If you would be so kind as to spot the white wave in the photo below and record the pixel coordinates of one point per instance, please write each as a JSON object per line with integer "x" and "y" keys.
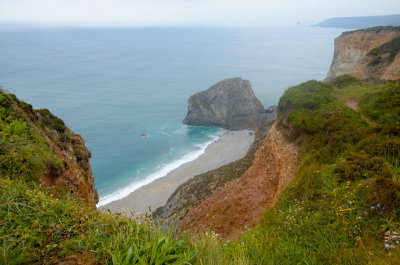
{"x": 123, "y": 192}
{"x": 181, "y": 130}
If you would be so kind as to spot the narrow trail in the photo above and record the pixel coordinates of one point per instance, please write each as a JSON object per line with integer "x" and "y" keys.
{"x": 353, "y": 103}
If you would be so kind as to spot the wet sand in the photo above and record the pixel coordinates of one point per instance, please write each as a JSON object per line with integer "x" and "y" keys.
{"x": 232, "y": 146}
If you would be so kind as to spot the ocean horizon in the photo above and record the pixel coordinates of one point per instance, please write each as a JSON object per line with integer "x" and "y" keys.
{"x": 114, "y": 85}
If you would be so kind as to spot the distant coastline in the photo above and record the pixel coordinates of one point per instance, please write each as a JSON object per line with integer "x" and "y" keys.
{"x": 360, "y": 22}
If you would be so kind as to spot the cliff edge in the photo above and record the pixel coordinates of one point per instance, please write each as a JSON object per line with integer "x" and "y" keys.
{"x": 373, "y": 52}
{"x": 240, "y": 202}
{"x": 38, "y": 146}
{"x": 230, "y": 104}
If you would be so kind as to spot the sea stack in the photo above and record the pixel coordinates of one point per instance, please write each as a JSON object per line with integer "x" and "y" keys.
{"x": 229, "y": 104}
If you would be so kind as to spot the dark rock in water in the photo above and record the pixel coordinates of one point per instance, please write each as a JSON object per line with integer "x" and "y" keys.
{"x": 271, "y": 109}
{"x": 230, "y": 104}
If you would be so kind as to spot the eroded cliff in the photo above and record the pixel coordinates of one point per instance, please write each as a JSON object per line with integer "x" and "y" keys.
{"x": 197, "y": 189}
{"x": 367, "y": 53}
{"x": 239, "y": 203}
{"x": 36, "y": 145}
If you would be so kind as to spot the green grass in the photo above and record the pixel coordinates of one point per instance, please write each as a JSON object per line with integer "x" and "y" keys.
{"x": 347, "y": 192}
{"x": 24, "y": 153}
{"x": 345, "y": 198}
{"x": 390, "y": 49}
{"x": 46, "y": 226}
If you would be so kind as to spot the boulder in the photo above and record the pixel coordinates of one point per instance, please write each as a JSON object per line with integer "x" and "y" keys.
{"x": 229, "y": 104}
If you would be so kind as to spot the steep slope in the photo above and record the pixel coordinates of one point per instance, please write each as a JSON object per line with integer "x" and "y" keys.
{"x": 240, "y": 202}
{"x": 373, "y": 52}
{"x": 37, "y": 145}
{"x": 197, "y": 189}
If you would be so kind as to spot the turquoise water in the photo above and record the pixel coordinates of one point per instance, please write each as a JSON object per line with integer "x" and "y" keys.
{"x": 111, "y": 85}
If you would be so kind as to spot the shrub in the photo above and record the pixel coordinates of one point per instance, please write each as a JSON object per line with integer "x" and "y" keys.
{"x": 383, "y": 146}
{"x": 361, "y": 165}
{"x": 51, "y": 121}
{"x": 345, "y": 80}
{"x": 383, "y": 106}
{"x": 386, "y": 192}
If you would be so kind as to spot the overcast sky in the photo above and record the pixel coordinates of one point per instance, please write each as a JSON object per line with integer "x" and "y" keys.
{"x": 190, "y": 12}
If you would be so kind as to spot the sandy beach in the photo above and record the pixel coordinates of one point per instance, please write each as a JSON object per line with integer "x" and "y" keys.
{"x": 232, "y": 146}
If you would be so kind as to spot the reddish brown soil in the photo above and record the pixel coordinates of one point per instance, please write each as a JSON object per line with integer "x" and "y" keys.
{"x": 78, "y": 177}
{"x": 240, "y": 203}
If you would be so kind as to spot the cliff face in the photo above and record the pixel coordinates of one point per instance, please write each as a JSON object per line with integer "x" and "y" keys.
{"x": 240, "y": 202}
{"x": 69, "y": 147}
{"x": 230, "y": 104}
{"x": 197, "y": 189}
{"x": 367, "y": 53}
{"x": 36, "y": 145}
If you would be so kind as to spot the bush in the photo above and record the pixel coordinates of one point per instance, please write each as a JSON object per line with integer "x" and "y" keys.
{"x": 383, "y": 146}
{"x": 383, "y": 106}
{"x": 345, "y": 80}
{"x": 386, "y": 192}
{"x": 362, "y": 165}
{"x": 49, "y": 120}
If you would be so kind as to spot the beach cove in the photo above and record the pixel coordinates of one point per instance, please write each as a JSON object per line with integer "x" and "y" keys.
{"x": 231, "y": 146}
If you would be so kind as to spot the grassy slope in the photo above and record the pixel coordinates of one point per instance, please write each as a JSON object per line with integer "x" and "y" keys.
{"x": 345, "y": 198}
{"x": 43, "y": 226}
{"x": 347, "y": 193}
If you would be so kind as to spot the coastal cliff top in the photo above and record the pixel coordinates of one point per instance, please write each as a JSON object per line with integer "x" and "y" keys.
{"x": 37, "y": 146}
{"x": 368, "y": 53}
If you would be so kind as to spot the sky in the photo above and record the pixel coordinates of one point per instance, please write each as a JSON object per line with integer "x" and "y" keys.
{"x": 189, "y": 12}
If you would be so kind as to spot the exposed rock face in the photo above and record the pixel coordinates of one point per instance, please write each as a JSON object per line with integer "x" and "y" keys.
{"x": 367, "y": 53}
{"x": 60, "y": 156}
{"x": 230, "y": 104}
{"x": 76, "y": 174}
{"x": 241, "y": 201}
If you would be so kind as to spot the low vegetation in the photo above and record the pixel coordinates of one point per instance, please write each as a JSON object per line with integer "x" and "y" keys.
{"x": 24, "y": 152}
{"x": 343, "y": 208}
{"x": 386, "y": 51}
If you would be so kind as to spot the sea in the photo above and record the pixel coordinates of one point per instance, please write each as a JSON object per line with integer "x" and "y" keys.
{"x": 125, "y": 90}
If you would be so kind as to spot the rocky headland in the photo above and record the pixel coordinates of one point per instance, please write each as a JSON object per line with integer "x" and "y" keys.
{"x": 229, "y": 104}
{"x": 368, "y": 53}
{"x": 360, "y": 22}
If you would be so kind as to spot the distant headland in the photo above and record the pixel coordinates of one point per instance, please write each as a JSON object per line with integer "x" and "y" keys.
{"x": 360, "y": 22}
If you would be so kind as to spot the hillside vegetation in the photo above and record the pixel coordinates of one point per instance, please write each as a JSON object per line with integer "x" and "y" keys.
{"x": 343, "y": 208}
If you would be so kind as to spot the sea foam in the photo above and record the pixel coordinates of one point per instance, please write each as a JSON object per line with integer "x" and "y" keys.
{"x": 123, "y": 192}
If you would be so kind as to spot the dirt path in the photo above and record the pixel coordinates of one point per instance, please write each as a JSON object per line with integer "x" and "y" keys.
{"x": 353, "y": 103}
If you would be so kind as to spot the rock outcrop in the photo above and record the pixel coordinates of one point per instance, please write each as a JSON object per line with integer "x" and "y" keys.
{"x": 76, "y": 174}
{"x": 367, "y": 53}
{"x": 230, "y": 104}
